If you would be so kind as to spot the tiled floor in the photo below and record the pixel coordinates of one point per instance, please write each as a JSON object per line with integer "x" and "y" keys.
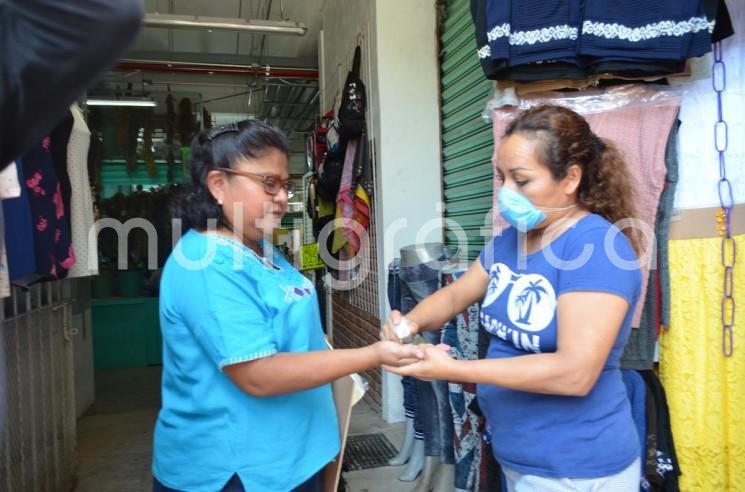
{"x": 115, "y": 437}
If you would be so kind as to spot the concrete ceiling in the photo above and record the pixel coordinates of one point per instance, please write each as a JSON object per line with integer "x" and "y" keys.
{"x": 204, "y": 46}
{"x": 288, "y": 103}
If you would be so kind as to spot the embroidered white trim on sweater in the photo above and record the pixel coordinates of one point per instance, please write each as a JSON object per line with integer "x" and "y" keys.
{"x": 484, "y": 51}
{"x": 650, "y": 31}
{"x": 543, "y": 35}
{"x": 600, "y": 29}
{"x": 498, "y": 32}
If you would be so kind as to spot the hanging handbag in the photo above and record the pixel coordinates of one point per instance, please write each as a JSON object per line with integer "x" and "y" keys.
{"x": 353, "y": 102}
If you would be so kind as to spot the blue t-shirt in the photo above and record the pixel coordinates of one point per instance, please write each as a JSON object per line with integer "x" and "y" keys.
{"x": 232, "y": 307}
{"x": 551, "y": 435}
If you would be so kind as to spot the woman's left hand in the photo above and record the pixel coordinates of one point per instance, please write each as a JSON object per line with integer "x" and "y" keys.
{"x": 436, "y": 364}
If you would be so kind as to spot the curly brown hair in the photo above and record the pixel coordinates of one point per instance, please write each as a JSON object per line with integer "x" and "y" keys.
{"x": 565, "y": 139}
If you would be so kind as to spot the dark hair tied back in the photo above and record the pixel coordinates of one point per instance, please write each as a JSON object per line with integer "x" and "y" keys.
{"x": 600, "y": 144}
{"x": 215, "y": 148}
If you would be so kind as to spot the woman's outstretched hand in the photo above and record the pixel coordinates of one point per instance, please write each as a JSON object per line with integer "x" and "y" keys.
{"x": 435, "y": 364}
{"x": 397, "y": 320}
{"x": 395, "y": 354}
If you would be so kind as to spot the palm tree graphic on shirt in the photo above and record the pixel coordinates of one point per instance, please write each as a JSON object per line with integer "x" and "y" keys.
{"x": 531, "y": 294}
{"x": 531, "y": 300}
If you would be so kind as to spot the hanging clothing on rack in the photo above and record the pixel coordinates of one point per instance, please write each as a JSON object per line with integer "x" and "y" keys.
{"x": 705, "y": 390}
{"x": 363, "y": 187}
{"x": 9, "y": 188}
{"x": 658, "y": 30}
{"x": 664, "y": 218}
{"x": 4, "y": 271}
{"x": 18, "y": 234}
{"x": 9, "y": 185}
{"x": 52, "y": 246}
{"x": 462, "y": 334}
{"x": 520, "y": 33}
{"x": 81, "y": 203}
{"x": 344, "y": 203}
{"x": 641, "y": 134}
{"x": 59, "y": 138}
{"x": 640, "y": 347}
{"x": 572, "y": 39}
{"x": 699, "y": 166}
{"x": 667, "y": 470}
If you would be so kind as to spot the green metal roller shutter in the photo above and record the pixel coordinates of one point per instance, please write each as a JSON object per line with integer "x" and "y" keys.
{"x": 467, "y": 141}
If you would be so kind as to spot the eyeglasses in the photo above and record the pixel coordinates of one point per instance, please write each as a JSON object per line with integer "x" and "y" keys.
{"x": 272, "y": 184}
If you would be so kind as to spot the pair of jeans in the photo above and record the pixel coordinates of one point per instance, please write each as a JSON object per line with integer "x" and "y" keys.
{"x": 313, "y": 484}
{"x": 411, "y": 401}
{"x": 418, "y": 282}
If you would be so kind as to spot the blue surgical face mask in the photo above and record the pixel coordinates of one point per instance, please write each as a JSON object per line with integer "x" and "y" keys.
{"x": 520, "y": 212}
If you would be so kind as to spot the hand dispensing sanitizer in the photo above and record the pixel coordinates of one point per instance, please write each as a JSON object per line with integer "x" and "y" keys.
{"x": 402, "y": 329}
{"x": 403, "y": 332}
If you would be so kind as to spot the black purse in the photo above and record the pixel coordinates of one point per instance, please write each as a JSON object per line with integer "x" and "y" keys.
{"x": 353, "y": 102}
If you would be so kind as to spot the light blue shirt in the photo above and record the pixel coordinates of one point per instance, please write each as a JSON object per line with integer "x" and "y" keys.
{"x": 228, "y": 308}
{"x": 551, "y": 435}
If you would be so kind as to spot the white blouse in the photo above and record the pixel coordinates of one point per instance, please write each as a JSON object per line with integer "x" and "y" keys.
{"x": 81, "y": 201}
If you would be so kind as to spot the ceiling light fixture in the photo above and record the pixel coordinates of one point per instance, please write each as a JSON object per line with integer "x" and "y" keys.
{"x": 142, "y": 103}
{"x": 223, "y": 24}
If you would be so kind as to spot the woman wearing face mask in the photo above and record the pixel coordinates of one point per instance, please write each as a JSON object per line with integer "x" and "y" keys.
{"x": 557, "y": 292}
{"x": 246, "y": 402}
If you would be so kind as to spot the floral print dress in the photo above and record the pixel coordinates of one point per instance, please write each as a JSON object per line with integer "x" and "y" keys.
{"x": 51, "y": 228}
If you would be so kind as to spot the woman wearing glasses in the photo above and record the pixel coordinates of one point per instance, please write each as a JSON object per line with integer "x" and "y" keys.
{"x": 247, "y": 403}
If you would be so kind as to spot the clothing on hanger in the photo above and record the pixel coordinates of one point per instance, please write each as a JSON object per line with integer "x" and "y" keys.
{"x": 81, "y": 203}
{"x": 9, "y": 185}
{"x": 572, "y": 39}
{"x": 51, "y": 229}
{"x": 18, "y": 234}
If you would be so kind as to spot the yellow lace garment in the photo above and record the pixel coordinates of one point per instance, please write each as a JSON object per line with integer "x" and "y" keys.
{"x": 705, "y": 390}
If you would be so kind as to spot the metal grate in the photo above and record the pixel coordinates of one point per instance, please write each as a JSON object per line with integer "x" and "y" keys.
{"x": 365, "y": 296}
{"x": 367, "y": 451}
{"x": 39, "y": 448}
